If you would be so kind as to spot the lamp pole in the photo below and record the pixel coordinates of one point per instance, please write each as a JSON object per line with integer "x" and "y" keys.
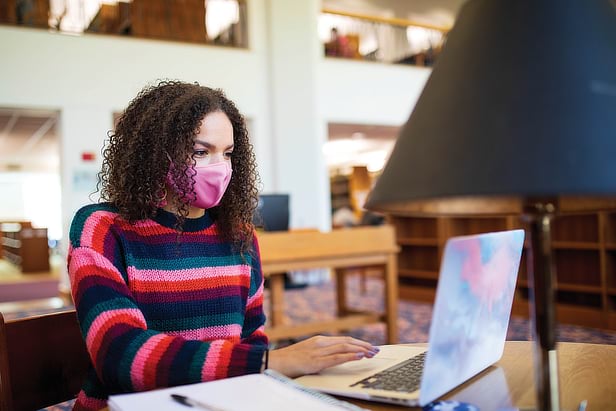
{"x": 539, "y": 215}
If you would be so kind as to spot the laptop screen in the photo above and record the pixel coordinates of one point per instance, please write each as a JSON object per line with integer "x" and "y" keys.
{"x": 472, "y": 308}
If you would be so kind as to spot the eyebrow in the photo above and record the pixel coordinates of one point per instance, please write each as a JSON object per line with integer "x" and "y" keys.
{"x": 211, "y": 146}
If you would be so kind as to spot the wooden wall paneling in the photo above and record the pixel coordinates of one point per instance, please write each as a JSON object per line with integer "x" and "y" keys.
{"x": 8, "y": 14}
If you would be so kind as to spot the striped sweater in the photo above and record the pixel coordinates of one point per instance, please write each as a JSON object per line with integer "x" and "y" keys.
{"x": 157, "y": 309}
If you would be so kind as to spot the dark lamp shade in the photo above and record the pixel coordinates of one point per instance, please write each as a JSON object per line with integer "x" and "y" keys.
{"x": 520, "y": 104}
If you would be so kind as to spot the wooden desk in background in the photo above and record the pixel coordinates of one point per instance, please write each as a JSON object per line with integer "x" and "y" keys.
{"x": 339, "y": 249}
{"x": 587, "y": 372}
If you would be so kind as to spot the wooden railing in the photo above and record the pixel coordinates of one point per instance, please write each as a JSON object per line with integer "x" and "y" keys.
{"x": 373, "y": 38}
{"x": 392, "y": 21}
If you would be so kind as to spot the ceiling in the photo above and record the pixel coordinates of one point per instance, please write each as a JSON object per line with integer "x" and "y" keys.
{"x": 28, "y": 140}
{"x": 337, "y": 131}
{"x": 351, "y": 145}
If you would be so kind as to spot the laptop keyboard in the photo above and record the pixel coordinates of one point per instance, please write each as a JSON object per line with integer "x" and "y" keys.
{"x": 402, "y": 377}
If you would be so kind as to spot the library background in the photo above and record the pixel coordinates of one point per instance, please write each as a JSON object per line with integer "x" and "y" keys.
{"x": 69, "y": 67}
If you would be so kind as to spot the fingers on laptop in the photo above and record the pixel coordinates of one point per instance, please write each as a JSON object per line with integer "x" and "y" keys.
{"x": 346, "y": 345}
{"x": 317, "y": 353}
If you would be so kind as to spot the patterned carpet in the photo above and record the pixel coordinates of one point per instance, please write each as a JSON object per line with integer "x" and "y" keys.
{"x": 318, "y": 302}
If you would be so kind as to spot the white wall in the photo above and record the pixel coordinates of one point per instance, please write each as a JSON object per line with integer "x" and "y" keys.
{"x": 12, "y": 206}
{"x": 32, "y": 196}
{"x": 368, "y": 93}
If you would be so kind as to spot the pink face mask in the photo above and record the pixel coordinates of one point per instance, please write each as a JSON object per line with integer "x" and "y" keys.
{"x": 211, "y": 182}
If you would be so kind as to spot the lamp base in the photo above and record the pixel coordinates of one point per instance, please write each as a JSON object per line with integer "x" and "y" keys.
{"x": 541, "y": 272}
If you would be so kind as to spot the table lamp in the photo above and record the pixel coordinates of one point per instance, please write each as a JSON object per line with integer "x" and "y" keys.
{"x": 518, "y": 116}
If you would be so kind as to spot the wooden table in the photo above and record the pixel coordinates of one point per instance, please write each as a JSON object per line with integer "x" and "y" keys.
{"x": 339, "y": 249}
{"x": 587, "y": 372}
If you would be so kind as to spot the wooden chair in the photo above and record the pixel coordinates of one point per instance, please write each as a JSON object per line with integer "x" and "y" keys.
{"x": 43, "y": 360}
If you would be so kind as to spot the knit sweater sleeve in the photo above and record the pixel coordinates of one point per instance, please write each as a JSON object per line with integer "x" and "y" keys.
{"x": 126, "y": 354}
{"x": 254, "y": 322}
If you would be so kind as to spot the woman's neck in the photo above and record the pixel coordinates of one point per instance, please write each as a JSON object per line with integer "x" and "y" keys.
{"x": 193, "y": 212}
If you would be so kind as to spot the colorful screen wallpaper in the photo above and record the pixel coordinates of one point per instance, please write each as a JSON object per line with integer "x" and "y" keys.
{"x": 472, "y": 308}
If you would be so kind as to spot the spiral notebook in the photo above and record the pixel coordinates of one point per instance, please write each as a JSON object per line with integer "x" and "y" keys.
{"x": 270, "y": 391}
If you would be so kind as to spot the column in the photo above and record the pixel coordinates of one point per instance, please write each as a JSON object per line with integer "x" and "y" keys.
{"x": 294, "y": 52}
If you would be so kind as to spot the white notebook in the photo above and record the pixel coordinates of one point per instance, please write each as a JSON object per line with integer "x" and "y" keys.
{"x": 258, "y": 392}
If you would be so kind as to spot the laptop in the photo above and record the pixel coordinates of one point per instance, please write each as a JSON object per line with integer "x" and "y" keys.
{"x": 469, "y": 324}
{"x": 272, "y": 212}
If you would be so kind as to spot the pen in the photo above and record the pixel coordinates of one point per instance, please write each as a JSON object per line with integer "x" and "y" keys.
{"x": 191, "y": 402}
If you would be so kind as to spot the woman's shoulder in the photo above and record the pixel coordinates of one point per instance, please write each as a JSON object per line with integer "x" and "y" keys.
{"x": 99, "y": 210}
{"x": 98, "y": 215}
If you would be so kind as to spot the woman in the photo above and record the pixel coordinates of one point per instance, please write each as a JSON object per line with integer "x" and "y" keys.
{"x": 165, "y": 274}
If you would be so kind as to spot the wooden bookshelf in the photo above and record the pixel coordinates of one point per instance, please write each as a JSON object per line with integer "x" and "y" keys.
{"x": 34, "y": 14}
{"x": 25, "y": 246}
{"x": 584, "y": 251}
{"x": 351, "y": 190}
{"x": 340, "y": 191}
{"x": 8, "y": 14}
{"x": 182, "y": 20}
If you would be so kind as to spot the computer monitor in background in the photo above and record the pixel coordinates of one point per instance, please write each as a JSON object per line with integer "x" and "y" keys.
{"x": 272, "y": 212}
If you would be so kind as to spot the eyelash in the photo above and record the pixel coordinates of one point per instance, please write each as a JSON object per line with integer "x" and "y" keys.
{"x": 201, "y": 153}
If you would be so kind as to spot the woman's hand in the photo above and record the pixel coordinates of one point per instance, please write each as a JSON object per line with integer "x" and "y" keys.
{"x": 316, "y": 353}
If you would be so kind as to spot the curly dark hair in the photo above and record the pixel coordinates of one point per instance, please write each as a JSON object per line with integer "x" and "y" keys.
{"x": 158, "y": 128}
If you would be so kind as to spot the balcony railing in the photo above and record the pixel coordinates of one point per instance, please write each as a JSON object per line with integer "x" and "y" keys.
{"x": 388, "y": 40}
{"x": 221, "y": 22}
